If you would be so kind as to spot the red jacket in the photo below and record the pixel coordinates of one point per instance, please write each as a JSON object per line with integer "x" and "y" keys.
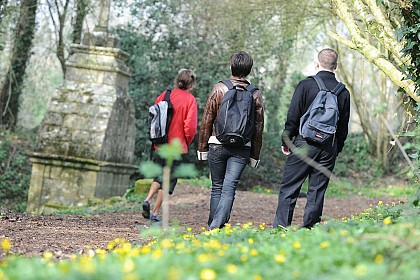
{"x": 184, "y": 119}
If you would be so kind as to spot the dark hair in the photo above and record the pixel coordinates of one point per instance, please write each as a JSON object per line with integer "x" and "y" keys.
{"x": 328, "y": 59}
{"x": 241, "y": 64}
{"x": 185, "y": 79}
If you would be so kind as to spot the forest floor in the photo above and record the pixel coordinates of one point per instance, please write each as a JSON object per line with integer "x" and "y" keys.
{"x": 64, "y": 235}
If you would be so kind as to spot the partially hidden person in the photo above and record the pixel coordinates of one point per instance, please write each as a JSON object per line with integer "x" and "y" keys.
{"x": 183, "y": 127}
{"x": 319, "y": 148}
{"x": 227, "y": 162}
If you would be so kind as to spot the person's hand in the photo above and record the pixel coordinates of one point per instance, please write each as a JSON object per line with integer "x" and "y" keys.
{"x": 285, "y": 150}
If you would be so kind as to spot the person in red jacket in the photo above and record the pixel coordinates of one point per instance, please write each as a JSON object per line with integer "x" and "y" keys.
{"x": 183, "y": 127}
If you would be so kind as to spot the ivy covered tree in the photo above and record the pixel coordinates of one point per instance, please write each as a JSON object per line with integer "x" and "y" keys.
{"x": 11, "y": 88}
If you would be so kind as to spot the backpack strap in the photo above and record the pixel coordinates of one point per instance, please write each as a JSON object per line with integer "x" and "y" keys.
{"x": 338, "y": 88}
{"x": 319, "y": 82}
{"x": 168, "y": 95}
{"x": 228, "y": 83}
{"x": 251, "y": 88}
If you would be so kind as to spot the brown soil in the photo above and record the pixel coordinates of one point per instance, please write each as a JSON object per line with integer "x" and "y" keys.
{"x": 64, "y": 235}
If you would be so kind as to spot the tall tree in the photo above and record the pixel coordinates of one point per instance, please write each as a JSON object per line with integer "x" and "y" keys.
{"x": 12, "y": 86}
{"x": 368, "y": 15}
{"x": 58, "y": 12}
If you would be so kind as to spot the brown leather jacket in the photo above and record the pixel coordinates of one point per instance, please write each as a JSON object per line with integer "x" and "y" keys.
{"x": 211, "y": 112}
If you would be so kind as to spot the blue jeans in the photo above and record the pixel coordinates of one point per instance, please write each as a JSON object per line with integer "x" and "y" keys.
{"x": 226, "y": 166}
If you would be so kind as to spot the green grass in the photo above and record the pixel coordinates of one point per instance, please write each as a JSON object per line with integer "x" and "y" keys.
{"x": 203, "y": 182}
{"x": 381, "y": 243}
{"x": 344, "y": 188}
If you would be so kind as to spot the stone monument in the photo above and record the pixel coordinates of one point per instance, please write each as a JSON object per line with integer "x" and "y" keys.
{"x": 85, "y": 145}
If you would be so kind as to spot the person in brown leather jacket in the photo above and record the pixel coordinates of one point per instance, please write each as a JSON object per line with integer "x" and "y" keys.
{"x": 227, "y": 163}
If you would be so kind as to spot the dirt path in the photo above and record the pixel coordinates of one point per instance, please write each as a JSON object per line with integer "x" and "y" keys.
{"x": 65, "y": 235}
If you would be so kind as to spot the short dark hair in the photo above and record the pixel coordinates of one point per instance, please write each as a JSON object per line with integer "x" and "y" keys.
{"x": 241, "y": 64}
{"x": 185, "y": 79}
{"x": 328, "y": 59}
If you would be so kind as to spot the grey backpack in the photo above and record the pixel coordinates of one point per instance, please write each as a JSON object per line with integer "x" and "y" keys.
{"x": 319, "y": 123}
{"x": 160, "y": 116}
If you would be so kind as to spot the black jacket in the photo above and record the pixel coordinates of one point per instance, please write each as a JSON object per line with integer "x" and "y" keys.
{"x": 303, "y": 96}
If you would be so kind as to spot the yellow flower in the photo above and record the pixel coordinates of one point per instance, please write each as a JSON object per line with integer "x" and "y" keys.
{"x": 128, "y": 266}
{"x": 166, "y": 243}
{"x": 47, "y": 256}
{"x": 110, "y": 245}
{"x": 145, "y": 250}
{"x": 281, "y": 258}
{"x": 189, "y": 229}
{"x": 379, "y": 259}
{"x": 380, "y": 202}
{"x": 231, "y": 268}
{"x": 157, "y": 254}
{"x": 86, "y": 265}
{"x": 350, "y": 240}
{"x": 262, "y": 226}
{"x": 253, "y": 252}
{"x": 387, "y": 221}
{"x": 258, "y": 277}
{"x": 283, "y": 235}
{"x": 244, "y": 258}
{"x": 202, "y": 258}
{"x": 6, "y": 245}
{"x": 174, "y": 273}
{"x": 344, "y": 232}
{"x": 296, "y": 245}
{"x": 251, "y": 241}
{"x": 324, "y": 245}
{"x": 360, "y": 270}
{"x": 207, "y": 274}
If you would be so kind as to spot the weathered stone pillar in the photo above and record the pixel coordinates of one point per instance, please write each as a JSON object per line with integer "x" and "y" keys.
{"x": 85, "y": 144}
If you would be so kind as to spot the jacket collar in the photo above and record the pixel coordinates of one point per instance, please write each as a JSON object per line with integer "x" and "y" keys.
{"x": 239, "y": 80}
{"x": 326, "y": 73}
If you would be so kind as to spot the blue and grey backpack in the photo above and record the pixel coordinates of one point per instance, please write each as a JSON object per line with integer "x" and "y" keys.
{"x": 319, "y": 123}
{"x": 236, "y": 120}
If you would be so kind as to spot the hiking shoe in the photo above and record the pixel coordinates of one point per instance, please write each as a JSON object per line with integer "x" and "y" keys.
{"x": 154, "y": 218}
{"x": 146, "y": 209}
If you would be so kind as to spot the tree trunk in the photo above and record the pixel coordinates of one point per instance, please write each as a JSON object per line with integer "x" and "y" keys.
{"x": 12, "y": 87}
{"x": 81, "y": 12}
{"x": 3, "y": 4}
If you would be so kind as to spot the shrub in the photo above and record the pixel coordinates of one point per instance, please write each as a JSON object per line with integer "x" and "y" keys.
{"x": 15, "y": 170}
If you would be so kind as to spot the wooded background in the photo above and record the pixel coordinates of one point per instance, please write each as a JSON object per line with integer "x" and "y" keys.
{"x": 377, "y": 42}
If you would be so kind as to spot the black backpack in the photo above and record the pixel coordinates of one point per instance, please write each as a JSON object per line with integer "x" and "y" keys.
{"x": 236, "y": 120}
{"x": 319, "y": 123}
{"x": 160, "y": 116}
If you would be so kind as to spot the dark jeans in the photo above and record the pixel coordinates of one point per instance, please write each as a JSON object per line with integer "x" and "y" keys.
{"x": 226, "y": 165}
{"x": 295, "y": 173}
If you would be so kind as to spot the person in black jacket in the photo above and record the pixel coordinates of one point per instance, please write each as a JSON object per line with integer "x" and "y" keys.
{"x": 296, "y": 169}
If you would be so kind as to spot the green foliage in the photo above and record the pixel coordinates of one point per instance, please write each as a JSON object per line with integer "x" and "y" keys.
{"x": 410, "y": 31}
{"x": 131, "y": 202}
{"x": 169, "y": 152}
{"x": 356, "y": 160}
{"x": 202, "y": 182}
{"x": 380, "y": 243}
{"x": 15, "y": 170}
